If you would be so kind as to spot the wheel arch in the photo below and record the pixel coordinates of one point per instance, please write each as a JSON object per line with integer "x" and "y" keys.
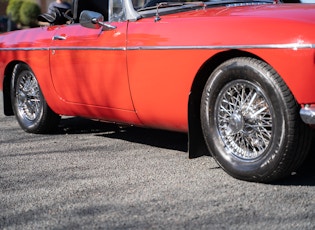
{"x": 196, "y": 144}
{"x": 8, "y": 74}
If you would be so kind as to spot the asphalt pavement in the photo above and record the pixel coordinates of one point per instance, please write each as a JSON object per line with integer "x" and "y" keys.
{"x": 92, "y": 175}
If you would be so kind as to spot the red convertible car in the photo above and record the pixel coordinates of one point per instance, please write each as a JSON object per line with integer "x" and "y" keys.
{"x": 237, "y": 76}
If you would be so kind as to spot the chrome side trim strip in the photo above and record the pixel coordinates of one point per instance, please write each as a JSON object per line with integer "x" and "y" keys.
{"x": 62, "y": 48}
{"x": 270, "y": 46}
{"x": 24, "y": 49}
{"x": 293, "y": 46}
{"x": 89, "y": 48}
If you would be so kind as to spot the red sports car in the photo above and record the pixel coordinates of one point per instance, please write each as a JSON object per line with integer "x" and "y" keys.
{"x": 237, "y": 76}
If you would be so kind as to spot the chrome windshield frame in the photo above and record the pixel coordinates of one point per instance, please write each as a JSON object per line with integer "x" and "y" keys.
{"x": 126, "y": 11}
{"x": 131, "y": 13}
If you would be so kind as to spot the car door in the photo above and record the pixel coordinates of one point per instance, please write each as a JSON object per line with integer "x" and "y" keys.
{"x": 88, "y": 66}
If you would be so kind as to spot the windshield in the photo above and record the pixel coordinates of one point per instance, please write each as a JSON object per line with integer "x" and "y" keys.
{"x": 141, "y": 4}
{"x": 121, "y": 10}
{"x": 149, "y": 3}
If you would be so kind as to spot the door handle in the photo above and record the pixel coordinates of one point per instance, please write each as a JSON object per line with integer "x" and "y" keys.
{"x": 59, "y": 37}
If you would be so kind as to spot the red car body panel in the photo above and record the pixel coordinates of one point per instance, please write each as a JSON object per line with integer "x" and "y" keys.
{"x": 142, "y": 72}
{"x": 178, "y": 66}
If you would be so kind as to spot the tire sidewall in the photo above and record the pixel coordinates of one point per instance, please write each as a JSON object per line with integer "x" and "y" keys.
{"x": 241, "y": 70}
{"x": 26, "y": 124}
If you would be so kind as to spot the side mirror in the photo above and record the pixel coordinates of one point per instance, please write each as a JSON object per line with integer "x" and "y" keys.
{"x": 94, "y": 20}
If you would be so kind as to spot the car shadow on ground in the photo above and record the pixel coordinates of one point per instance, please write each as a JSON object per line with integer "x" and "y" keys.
{"x": 152, "y": 137}
{"x": 305, "y": 176}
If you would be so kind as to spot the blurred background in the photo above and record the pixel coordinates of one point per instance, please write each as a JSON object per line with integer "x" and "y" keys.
{"x": 18, "y": 14}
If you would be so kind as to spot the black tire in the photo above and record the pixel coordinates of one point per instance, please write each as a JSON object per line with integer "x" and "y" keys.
{"x": 251, "y": 123}
{"x": 28, "y": 102}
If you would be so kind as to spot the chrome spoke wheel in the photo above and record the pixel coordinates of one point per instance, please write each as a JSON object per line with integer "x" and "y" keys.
{"x": 250, "y": 121}
{"x": 29, "y": 104}
{"x": 244, "y": 120}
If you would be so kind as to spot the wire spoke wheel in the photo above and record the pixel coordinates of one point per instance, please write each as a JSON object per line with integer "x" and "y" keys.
{"x": 28, "y": 96}
{"x": 244, "y": 119}
{"x": 29, "y": 104}
{"x": 250, "y": 121}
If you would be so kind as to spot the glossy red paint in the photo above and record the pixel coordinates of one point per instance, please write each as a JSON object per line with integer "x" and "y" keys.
{"x": 142, "y": 72}
{"x": 161, "y": 80}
